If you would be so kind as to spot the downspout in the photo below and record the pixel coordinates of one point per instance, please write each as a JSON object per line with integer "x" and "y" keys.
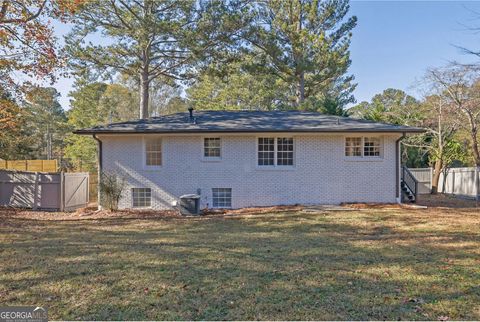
{"x": 99, "y": 174}
{"x": 398, "y": 167}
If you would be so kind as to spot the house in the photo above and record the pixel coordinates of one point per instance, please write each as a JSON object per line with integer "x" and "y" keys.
{"x": 236, "y": 159}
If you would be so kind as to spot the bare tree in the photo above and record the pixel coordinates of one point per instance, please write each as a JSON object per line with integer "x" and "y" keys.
{"x": 439, "y": 139}
{"x": 460, "y": 85}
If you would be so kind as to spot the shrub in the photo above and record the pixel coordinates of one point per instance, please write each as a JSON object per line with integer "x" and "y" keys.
{"x": 111, "y": 189}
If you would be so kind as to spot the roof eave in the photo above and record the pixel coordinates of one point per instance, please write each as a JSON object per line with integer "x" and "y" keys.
{"x": 92, "y": 132}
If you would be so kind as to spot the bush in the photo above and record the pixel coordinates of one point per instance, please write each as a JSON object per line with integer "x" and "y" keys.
{"x": 111, "y": 189}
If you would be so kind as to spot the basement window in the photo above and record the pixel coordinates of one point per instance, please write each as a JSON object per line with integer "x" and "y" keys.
{"x": 142, "y": 197}
{"x": 222, "y": 197}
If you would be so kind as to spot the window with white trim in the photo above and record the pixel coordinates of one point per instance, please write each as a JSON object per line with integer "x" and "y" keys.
{"x": 363, "y": 147}
{"x": 221, "y": 197}
{"x": 141, "y": 197}
{"x": 353, "y": 147}
{"x": 275, "y": 151}
{"x": 153, "y": 152}
{"x": 211, "y": 147}
{"x": 266, "y": 151}
{"x": 371, "y": 146}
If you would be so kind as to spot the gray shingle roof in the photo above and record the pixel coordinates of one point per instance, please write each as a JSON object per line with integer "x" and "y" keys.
{"x": 247, "y": 121}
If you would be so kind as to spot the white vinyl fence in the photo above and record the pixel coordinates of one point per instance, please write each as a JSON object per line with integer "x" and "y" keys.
{"x": 44, "y": 190}
{"x": 424, "y": 178}
{"x": 457, "y": 181}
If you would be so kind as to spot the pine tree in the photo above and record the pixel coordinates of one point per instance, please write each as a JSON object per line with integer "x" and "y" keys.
{"x": 306, "y": 45}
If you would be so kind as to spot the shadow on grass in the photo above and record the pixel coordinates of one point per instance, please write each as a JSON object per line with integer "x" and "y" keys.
{"x": 289, "y": 266}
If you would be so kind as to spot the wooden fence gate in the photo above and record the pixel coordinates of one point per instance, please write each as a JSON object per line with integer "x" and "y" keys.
{"x": 45, "y": 191}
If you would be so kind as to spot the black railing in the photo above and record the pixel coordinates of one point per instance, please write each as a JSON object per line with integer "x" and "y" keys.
{"x": 410, "y": 181}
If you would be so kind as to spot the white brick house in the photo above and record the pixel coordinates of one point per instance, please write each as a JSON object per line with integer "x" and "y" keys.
{"x": 242, "y": 159}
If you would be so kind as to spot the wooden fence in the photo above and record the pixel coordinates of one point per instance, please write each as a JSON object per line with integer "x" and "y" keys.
{"x": 457, "y": 181}
{"x": 46, "y": 191}
{"x": 30, "y": 165}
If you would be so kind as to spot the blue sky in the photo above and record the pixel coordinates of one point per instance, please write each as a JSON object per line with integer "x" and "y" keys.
{"x": 394, "y": 42}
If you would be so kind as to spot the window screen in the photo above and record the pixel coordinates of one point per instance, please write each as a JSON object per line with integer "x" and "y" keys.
{"x": 222, "y": 197}
{"x": 285, "y": 151}
{"x": 153, "y": 151}
{"x": 353, "y": 147}
{"x": 266, "y": 151}
{"x": 211, "y": 147}
{"x": 371, "y": 147}
{"x": 142, "y": 197}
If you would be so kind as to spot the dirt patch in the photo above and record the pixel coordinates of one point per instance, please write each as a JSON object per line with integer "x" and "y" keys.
{"x": 91, "y": 212}
{"x": 374, "y": 205}
{"x": 446, "y": 201}
{"x": 85, "y": 213}
{"x": 428, "y": 200}
{"x": 431, "y": 201}
{"x": 251, "y": 210}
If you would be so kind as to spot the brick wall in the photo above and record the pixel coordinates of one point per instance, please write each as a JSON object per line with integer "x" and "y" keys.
{"x": 321, "y": 175}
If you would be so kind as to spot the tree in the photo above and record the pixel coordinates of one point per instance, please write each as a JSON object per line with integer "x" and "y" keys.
{"x": 150, "y": 39}
{"x": 460, "y": 85}
{"x": 14, "y": 142}
{"x": 115, "y": 104}
{"x": 306, "y": 43}
{"x": 84, "y": 106}
{"x": 438, "y": 146}
{"x": 439, "y": 140}
{"x": 94, "y": 104}
{"x": 166, "y": 99}
{"x": 27, "y": 42}
{"x": 391, "y": 106}
{"x": 238, "y": 86}
{"x": 46, "y": 121}
{"x": 165, "y": 95}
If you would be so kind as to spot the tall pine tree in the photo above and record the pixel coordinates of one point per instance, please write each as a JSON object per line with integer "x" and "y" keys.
{"x": 149, "y": 39}
{"x": 306, "y": 44}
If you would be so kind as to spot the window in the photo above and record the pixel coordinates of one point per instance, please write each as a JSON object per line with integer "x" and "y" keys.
{"x": 266, "y": 151}
{"x": 211, "y": 148}
{"x": 153, "y": 152}
{"x": 275, "y": 151}
{"x": 142, "y": 197}
{"x": 362, "y": 147}
{"x": 371, "y": 147}
{"x": 284, "y": 151}
{"x": 221, "y": 197}
{"x": 353, "y": 147}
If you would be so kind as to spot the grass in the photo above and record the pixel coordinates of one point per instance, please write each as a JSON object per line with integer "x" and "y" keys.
{"x": 358, "y": 265}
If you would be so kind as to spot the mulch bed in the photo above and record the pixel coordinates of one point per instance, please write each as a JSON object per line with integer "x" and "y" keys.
{"x": 94, "y": 214}
{"x": 91, "y": 212}
{"x": 85, "y": 213}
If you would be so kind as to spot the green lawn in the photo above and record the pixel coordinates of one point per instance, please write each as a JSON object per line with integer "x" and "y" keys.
{"x": 371, "y": 264}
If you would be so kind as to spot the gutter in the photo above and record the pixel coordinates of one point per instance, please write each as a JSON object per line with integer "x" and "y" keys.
{"x": 100, "y": 163}
{"x": 202, "y": 131}
{"x": 398, "y": 164}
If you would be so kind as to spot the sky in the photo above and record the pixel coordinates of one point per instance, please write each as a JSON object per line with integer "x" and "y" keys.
{"x": 393, "y": 44}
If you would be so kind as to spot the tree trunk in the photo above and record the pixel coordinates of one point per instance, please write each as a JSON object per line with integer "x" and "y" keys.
{"x": 299, "y": 61}
{"x": 436, "y": 176}
{"x": 301, "y": 88}
{"x": 476, "y": 151}
{"x": 144, "y": 94}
